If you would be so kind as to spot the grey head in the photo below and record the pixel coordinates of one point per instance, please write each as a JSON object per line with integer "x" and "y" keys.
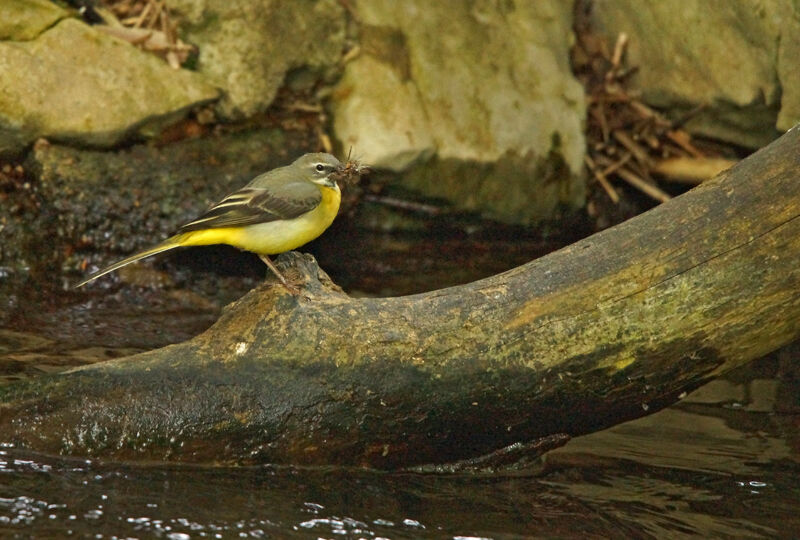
{"x": 317, "y": 168}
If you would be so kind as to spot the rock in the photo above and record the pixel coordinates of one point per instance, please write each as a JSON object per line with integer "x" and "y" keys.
{"x": 382, "y": 116}
{"x": 488, "y": 91}
{"x": 248, "y": 46}
{"x": 738, "y": 59}
{"x": 77, "y": 85}
{"x": 21, "y": 20}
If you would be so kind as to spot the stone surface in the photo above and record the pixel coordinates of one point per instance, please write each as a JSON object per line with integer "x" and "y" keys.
{"x": 737, "y": 58}
{"x": 21, "y": 20}
{"x": 248, "y": 46}
{"x": 475, "y": 86}
{"x": 381, "y": 115}
{"x": 81, "y": 86}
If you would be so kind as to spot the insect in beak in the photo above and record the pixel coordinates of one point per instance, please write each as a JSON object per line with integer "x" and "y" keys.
{"x": 350, "y": 171}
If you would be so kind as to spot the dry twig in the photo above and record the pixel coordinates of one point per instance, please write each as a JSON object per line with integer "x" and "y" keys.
{"x": 146, "y": 24}
{"x": 626, "y": 139}
{"x": 691, "y": 170}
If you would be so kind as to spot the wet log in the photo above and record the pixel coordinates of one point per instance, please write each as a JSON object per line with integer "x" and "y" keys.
{"x": 608, "y": 329}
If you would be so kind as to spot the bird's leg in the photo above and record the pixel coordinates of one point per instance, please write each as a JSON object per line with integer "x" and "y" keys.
{"x": 289, "y": 287}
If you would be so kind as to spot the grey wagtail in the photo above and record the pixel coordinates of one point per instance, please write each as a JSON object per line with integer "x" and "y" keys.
{"x": 277, "y": 211}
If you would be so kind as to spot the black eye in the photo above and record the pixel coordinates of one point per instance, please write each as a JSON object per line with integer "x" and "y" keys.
{"x": 320, "y": 167}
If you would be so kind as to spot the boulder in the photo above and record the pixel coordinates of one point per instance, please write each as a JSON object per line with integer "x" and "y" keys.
{"x": 75, "y": 84}
{"x": 248, "y": 46}
{"x": 488, "y": 92}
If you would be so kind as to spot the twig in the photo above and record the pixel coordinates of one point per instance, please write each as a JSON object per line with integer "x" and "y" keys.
{"x": 647, "y": 112}
{"x": 611, "y": 168}
{"x": 681, "y": 138}
{"x": 159, "y": 7}
{"x": 600, "y": 115}
{"x": 602, "y": 180}
{"x": 651, "y": 140}
{"x": 632, "y": 146}
{"x": 619, "y": 50}
{"x": 692, "y": 170}
{"x": 143, "y": 15}
{"x": 643, "y": 186}
{"x": 352, "y": 54}
{"x": 299, "y": 106}
{"x": 403, "y": 204}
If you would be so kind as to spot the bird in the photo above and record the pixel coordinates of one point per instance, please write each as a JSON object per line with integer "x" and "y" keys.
{"x": 279, "y": 210}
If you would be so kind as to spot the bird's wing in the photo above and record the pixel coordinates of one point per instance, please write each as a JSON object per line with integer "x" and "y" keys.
{"x": 251, "y": 205}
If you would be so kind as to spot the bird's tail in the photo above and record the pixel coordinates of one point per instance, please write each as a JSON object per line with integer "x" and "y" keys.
{"x": 167, "y": 244}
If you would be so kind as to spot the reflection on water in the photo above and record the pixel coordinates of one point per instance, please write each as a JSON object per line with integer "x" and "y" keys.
{"x": 722, "y": 463}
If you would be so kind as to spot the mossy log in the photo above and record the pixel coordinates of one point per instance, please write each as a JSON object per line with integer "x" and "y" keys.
{"x": 608, "y": 329}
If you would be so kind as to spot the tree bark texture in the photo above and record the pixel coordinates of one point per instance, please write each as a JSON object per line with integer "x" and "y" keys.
{"x": 608, "y": 329}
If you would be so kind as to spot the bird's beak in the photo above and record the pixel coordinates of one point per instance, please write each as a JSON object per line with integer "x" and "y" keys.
{"x": 332, "y": 179}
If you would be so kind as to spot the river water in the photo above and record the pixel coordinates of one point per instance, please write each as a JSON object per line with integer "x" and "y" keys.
{"x": 724, "y": 462}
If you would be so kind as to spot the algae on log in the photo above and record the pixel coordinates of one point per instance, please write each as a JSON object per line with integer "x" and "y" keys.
{"x": 608, "y": 329}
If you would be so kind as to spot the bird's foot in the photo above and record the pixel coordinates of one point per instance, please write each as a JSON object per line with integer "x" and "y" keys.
{"x": 294, "y": 291}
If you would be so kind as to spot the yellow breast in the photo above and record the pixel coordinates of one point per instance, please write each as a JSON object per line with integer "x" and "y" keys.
{"x": 275, "y": 236}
